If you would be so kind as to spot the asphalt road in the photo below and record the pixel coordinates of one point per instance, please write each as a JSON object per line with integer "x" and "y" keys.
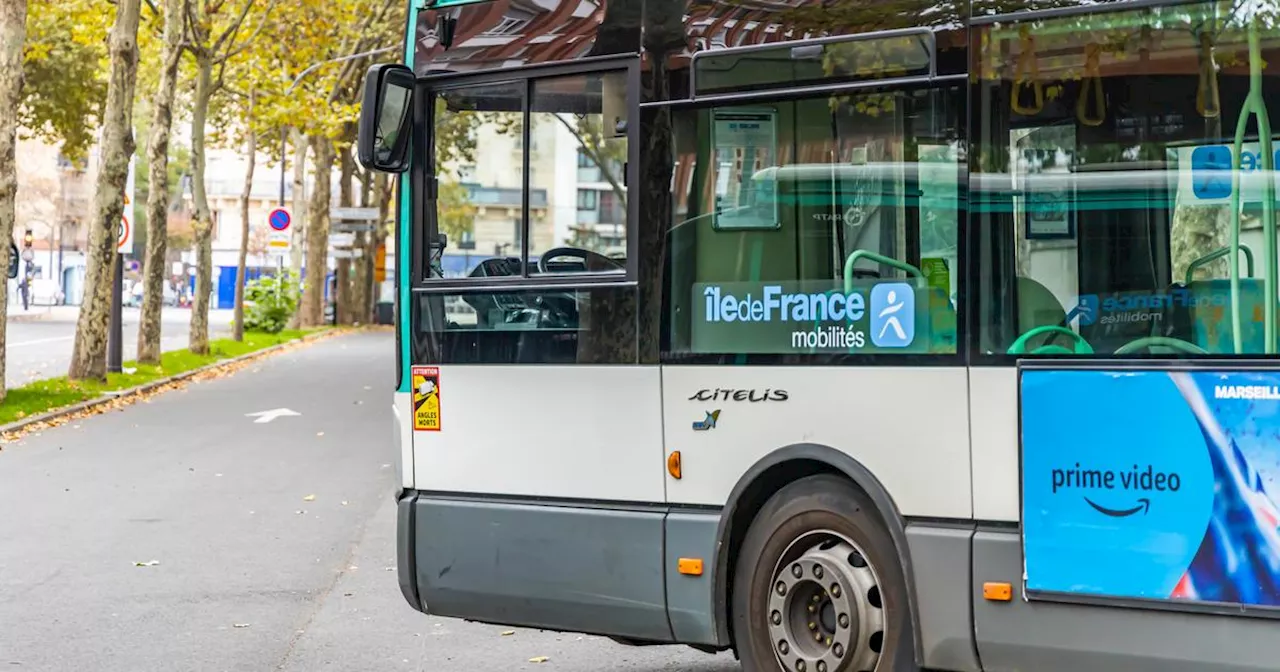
{"x": 252, "y": 573}
{"x": 42, "y": 349}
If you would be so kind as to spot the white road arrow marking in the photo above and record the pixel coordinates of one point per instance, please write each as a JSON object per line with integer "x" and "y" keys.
{"x": 268, "y": 416}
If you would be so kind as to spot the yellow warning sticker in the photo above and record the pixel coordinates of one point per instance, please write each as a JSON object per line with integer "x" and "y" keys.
{"x": 426, "y": 398}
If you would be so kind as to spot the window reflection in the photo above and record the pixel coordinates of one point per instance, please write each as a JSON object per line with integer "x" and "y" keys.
{"x": 838, "y": 195}
{"x": 1103, "y": 182}
{"x": 581, "y": 123}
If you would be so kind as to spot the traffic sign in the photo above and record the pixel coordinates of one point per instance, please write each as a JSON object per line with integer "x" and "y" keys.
{"x": 124, "y": 235}
{"x": 279, "y": 219}
{"x": 353, "y": 214}
{"x": 337, "y": 240}
{"x": 279, "y": 242}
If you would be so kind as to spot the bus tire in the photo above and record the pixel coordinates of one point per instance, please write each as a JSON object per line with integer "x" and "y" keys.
{"x": 818, "y": 586}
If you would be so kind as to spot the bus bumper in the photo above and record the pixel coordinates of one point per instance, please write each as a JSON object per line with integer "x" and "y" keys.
{"x": 406, "y": 565}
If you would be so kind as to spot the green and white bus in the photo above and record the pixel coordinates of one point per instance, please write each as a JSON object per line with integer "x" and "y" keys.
{"x": 847, "y": 336}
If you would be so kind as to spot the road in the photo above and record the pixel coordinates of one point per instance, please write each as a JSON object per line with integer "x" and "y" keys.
{"x": 253, "y": 573}
{"x": 42, "y": 349}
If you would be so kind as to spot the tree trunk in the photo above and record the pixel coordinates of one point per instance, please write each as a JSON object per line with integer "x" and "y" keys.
{"x": 204, "y": 217}
{"x": 346, "y": 198}
{"x": 89, "y": 355}
{"x": 362, "y": 292}
{"x": 153, "y": 279}
{"x": 251, "y": 151}
{"x": 317, "y": 268}
{"x": 299, "y": 201}
{"x": 13, "y": 36}
{"x": 299, "y": 228}
{"x": 384, "y": 189}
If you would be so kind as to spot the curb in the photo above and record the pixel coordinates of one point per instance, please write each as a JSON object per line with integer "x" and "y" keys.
{"x": 109, "y": 397}
{"x": 28, "y": 317}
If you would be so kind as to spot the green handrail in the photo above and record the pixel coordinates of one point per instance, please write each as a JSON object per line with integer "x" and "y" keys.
{"x": 1255, "y": 106}
{"x": 1218, "y": 254}
{"x": 858, "y": 255}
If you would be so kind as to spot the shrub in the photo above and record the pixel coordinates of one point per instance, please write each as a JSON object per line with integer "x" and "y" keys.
{"x": 269, "y": 303}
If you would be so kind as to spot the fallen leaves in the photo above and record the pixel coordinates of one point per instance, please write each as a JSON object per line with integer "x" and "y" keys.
{"x": 309, "y": 498}
{"x": 539, "y": 659}
{"x": 119, "y": 400}
{"x": 148, "y": 563}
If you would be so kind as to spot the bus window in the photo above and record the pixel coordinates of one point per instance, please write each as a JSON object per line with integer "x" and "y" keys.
{"x": 584, "y": 115}
{"x": 481, "y": 198}
{"x": 820, "y": 227}
{"x": 1102, "y": 184}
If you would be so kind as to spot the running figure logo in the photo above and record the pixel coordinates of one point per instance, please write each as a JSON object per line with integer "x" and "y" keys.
{"x": 893, "y": 315}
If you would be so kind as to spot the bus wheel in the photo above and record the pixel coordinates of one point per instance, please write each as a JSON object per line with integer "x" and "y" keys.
{"x": 818, "y": 586}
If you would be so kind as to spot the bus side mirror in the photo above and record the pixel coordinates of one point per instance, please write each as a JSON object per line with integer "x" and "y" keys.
{"x": 14, "y": 260}
{"x": 386, "y": 118}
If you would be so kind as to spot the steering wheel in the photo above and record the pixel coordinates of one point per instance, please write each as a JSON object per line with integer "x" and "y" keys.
{"x": 1148, "y": 341}
{"x": 586, "y": 256}
{"x": 1082, "y": 346}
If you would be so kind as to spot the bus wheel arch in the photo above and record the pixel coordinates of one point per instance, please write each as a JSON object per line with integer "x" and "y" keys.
{"x": 773, "y": 472}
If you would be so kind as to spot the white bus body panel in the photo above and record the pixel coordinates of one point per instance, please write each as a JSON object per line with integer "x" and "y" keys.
{"x": 568, "y": 432}
{"x": 402, "y": 410}
{"x": 871, "y": 413}
{"x": 993, "y": 403}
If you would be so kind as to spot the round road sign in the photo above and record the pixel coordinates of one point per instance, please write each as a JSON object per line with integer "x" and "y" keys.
{"x": 122, "y": 234}
{"x": 279, "y": 219}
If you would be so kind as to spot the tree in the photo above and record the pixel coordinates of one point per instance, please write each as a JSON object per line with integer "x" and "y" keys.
{"x": 212, "y": 43}
{"x": 311, "y": 313}
{"x": 156, "y": 262}
{"x": 250, "y": 152}
{"x": 13, "y": 33}
{"x": 89, "y": 355}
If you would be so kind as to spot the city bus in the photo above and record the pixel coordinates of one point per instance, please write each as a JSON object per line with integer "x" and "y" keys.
{"x": 843, "y": 336}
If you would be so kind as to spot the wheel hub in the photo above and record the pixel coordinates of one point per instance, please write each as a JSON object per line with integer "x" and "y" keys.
{"x": 825, "y": 613}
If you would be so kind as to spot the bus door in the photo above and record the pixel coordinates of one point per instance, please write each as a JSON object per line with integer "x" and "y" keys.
{"x": 540, "y": 476}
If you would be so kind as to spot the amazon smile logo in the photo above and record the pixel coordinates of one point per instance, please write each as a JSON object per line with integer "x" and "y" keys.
{"x": 1116, "y": 493}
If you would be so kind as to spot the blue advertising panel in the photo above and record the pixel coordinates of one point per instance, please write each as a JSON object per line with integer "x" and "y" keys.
{"x": 1152, "y": 485}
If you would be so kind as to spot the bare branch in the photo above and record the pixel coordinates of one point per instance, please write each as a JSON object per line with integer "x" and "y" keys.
{"x": 232, "y": 52}
{"x": 233, "y": 28}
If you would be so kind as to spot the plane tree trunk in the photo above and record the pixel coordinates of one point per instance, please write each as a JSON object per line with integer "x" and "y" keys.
{"x": 89, "y": 354}
{"x": 155, "y": 267}
{"x": 13, "y": 36}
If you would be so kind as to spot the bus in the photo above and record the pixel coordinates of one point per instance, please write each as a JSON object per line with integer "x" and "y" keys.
{"x": 843, "y": 336}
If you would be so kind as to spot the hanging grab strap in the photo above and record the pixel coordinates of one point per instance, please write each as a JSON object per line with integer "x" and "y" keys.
{"x": 1254, "y": 105}
{"x": 1091, "y": 83}
{"x": 1027, "y": 71}
{"x": 1207, "y": 102}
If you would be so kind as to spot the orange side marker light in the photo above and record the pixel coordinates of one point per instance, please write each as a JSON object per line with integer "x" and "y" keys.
{"x": 997, "y": 592}
{"x": 673, "y": 464}
{"x": 690, "y": 566}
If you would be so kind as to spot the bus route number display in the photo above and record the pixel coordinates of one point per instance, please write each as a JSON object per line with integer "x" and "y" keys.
{"x": 426, "y": 398}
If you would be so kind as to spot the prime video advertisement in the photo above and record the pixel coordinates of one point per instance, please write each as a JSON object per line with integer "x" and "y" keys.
{"x": 1152, "y": 485}
{"x": 813, "y": 317}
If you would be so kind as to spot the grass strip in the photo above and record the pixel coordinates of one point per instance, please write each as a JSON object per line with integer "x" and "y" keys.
{"x": 51, "y": 394}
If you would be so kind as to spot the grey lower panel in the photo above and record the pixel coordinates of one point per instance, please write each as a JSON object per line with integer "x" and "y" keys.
{"x": 404, "y": 551}
{"x": 691, "y": 599}
{"x": 940, "y": 563}
{"x": 594, "y": 570}
{"x": 1048, "y": 637}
